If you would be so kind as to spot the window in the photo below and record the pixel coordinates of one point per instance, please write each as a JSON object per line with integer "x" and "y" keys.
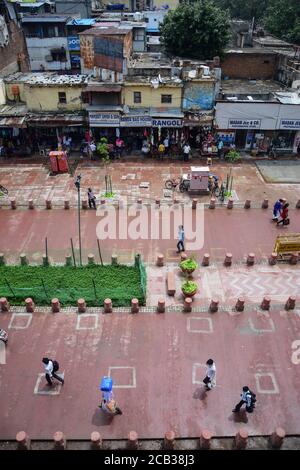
{"x": 137, "y": 97}
{"x": 138, "y": 35}
{"x": 62, "y": 98}
{"x": 166, "y": 98}
{"x": 59, "y": 55}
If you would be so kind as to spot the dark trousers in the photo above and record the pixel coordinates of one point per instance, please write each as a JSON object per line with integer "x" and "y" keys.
{"x": 248, "y": 408}
{"x": 239, "y": 405}
{"x": 186, "y": 157}
{"x": 281, "y": 221}
{"x": 180, "y": 245}
{"x": 92, "y": 203}
{"x": 48, "y": 378}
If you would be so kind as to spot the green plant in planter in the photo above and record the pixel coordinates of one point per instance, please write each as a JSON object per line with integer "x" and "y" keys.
{"x": 189, "y": 287}
{"x": 233, "y": 156}
{"x": 188, "y": 264}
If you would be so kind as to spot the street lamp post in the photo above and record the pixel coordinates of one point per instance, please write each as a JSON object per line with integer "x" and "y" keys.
{"x": 77, "y": 184}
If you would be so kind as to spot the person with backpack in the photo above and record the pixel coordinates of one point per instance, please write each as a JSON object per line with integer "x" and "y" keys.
{"x": 248, "y": 398}
{"x": 51, "y": 367}
{"x": 210, "y": 377}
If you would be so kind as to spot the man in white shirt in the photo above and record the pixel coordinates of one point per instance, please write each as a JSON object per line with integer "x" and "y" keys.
{"x": 210, "y": 378}
{"x": 50, "y": 370}
{"x": 186, "y": 152}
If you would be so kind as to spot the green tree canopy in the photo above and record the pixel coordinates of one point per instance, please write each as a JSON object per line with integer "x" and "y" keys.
{"x": 244, "y": 9}
{"x": 283, "y": 20}
{"x": 199, "y": 30}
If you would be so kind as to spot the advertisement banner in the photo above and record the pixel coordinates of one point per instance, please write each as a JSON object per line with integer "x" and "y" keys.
{"x": 290, "y": 124}
{"x": 73, "y": 43}
{"x": 167, "y": 122}
{"x": 135, "y": 121}
{"x": 244, "y": 123}
{"x": 102, "y": 119}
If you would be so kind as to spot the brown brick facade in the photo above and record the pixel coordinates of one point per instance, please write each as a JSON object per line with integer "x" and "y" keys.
{"x": 249, "y": 65}
{"x": 14, "y": 56}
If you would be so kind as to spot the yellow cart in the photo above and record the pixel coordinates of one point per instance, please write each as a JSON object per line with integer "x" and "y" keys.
{"x": 287, "y": 244}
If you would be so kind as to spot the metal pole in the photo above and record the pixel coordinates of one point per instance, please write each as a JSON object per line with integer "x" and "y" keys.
{"x": 79, "y": 228}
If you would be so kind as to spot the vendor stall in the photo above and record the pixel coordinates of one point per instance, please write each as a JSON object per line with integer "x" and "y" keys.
{"x": 59, "y": 161}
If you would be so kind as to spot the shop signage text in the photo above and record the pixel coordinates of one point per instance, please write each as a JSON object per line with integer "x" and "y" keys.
{"x": 244, "y": 123}
{"x": 104, "y": 119}
{"x": 135, "y": 121}
{"x": 290, "y": 124}
{"x": 73, "y": 43}
{"x": 166, "y": 122}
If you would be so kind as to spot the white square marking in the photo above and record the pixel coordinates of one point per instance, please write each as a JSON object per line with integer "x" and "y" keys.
{"x": 86, "y": 315}
{"x": 196, "y": 366}
{"x": 132, "y": 385}
{"x": 262, "y": 330}
{"x": 208, "y": 329}
{"x": 51, "y": 391}
{"x": 271, "y": 391}
{"x": 18, "y": 315}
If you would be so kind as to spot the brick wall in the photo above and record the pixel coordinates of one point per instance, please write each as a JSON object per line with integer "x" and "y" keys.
{"x": 249, "y": 66}
{"x": 13, "y": 58}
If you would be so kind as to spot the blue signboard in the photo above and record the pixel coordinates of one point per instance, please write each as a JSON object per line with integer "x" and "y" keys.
{"x": 73, "y": 43}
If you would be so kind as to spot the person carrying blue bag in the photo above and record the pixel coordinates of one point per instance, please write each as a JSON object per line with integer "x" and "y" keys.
{"x": 108, "y": 403}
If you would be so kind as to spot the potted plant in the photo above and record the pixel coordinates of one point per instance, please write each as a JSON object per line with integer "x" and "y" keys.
{"x": 189, "y": 288}
{"x": 188, "y": 265}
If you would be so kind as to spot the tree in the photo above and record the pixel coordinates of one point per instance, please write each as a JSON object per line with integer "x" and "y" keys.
{"x": 199, "y": 30}
{"x": 245, "y": 10}
{"x": 102, "y": 149}
{"x": 283, "y": 20}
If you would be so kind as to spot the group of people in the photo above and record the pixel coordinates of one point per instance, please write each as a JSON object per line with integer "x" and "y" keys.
{"x": 248, "y": 398}
{"x": 281, "y": 212}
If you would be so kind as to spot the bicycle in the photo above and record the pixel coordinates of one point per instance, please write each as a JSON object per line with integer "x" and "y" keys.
{"x": 3, "y": 191}
{"x": 222, "y": 193}
{"x": 172, "y": 183}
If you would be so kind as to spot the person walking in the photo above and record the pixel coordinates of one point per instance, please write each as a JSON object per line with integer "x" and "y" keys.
{"x": 248, "y": 398}
{"x": 119, "y": 147}
{"x": 220, "y": 148}
{"x": 284, "y": 214}
{"x": 186, "y": 152}
{"x": 92, "y": 199}
{"x": 51, "y": 367}
{"x": 210, "y": 377}
{"x": 180, "y": 244}
{"x": 167, "y": 145}
{"x": 277, "y": 209}
{"x": 161, "y": 150}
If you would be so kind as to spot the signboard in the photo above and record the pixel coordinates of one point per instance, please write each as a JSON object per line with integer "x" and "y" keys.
{"x": 135, "y": 121}
{"x": 290, "y": 124}
{"x": 100, "y": 119}
{"x": 244, "y": 123}
{"x": 73, "y": 43}
{"x": 166, "y": 122}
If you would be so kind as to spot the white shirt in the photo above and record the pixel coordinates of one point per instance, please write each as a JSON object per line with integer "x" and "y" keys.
{"x": 186, "y": 149}
{"x": 49, "y": 368}
{"x": 211, "y": 373}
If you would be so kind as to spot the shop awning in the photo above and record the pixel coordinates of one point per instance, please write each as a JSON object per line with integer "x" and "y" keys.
{"x": 18, "y": 121}
{"x": 50, "y": 120}
{"x": 198, "y": 119}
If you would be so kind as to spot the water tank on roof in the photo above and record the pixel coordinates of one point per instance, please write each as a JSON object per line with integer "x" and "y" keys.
{"x": 137, "y": 16}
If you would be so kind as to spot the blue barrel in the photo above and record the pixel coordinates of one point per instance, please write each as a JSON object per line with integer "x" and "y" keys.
{"x": 106, "y": 384}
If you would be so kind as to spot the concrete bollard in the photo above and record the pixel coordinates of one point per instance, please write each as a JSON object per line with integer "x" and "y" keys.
{"x": 205, "y": 439}
{"x": 114, "y": 260}
{"x": 2, "y": 259}
{"x": 183, "y": 256}
{"x": 161, "y": 306}
{"x": 108, "y": 306}
{"x": 23, "y": 441}
{"x": 60, "y": 442}
{"x": 103, "y": 203}
{"x": 139, "y": 203}
{"x": 29, "y": 304}
{"x": 289, "y": 305}
{"x": 67, "y": 204}
{"x": 160, "y": 260}
{"x": 4, "y": 304}
{"x": 23, "y": 259}
{"x": 84, "y": 204}
{"x": 206, "y": 258}
{"x": 132, "y": 442}
{"x": 157, "y": 203}
{"x": 55, "y": 305}
{"x": 13, "y": 204}
{"x": 277, "y": 438}
{"x": 214, "y": 305}
{"x": 45, "y": 260}
{"x": 273, "y": 259}
{"x": 230, "y": 203}
{"x": 241, "y": 439}
{"x": 265, "y": 305}
{"x": 48, "y": 204}
{"x": 120, "y": 204}
{"x": 68, "y": 260}
{"x": 240, "y": 304}
{"x": 298, "y": 204}
{"x": 169, "y": 440}
{"x": 265, "y": 204}
{"x": 187, "y": 306}
{"x": 30, "y": 204}
{"x": 194, "y": 203}
{"x": 135, "y": 306}
{"x": 247, "y": 204}
{"x": 250, "y": 259}
{"x": 96, "y": 441}
{"x": 81, "y": 305}
{"x": 212, "y": 204}
{"x": 91, "y": 259}
{"x": 294, "y": 258}
{"x": 228, "y": 259}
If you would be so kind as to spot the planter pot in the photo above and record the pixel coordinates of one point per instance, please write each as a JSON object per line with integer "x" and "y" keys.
{"x": 187, "y": 271}
{"x": 189, "y": 294}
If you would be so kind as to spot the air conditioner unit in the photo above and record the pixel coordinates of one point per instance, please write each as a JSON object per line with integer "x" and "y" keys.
{"x": 48, "y": 58}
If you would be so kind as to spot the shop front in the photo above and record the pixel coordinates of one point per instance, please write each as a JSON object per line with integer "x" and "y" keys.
{"x": 13, "y": 137}
{"x": 198, "y": 131}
